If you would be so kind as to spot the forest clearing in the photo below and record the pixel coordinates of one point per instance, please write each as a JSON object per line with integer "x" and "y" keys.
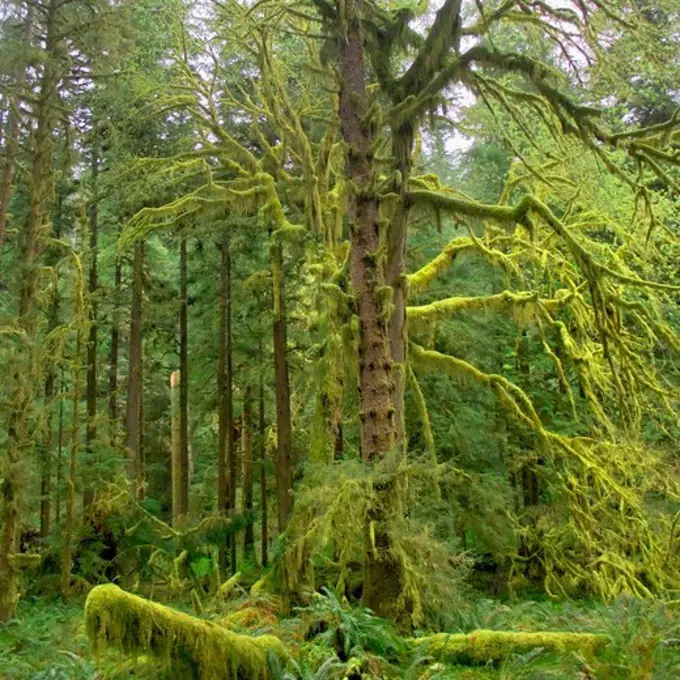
{"x": 339, "y": 339}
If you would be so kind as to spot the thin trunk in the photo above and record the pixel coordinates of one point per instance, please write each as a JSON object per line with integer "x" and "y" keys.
{"x": 53, "y": 321}
{"x": 91, "y": 432}
{"x": 133, "y": 418}
{"x": 22, "y": 380}
{"x": 383, "y": 570}
{"x": 183, "y": 380}
{"x": 247, "y": 450}
{"x": 226, "y": 461}
{"x": 175, "y": 459}
{"x": 395, "y": 267}
{"x": 12, "y": 141}
{"x": 60, "y": 446}
{"x": 69, "y": 527}
{"x": 113, "y": 357}
{"x": 284, "y": 438}
{"x": 263, "y": 466}
{"x": 46, "y": 469}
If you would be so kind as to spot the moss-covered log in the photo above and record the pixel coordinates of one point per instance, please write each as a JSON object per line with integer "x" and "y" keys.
{"x": 190, "y": 647}
{"x": 482, "y": 646}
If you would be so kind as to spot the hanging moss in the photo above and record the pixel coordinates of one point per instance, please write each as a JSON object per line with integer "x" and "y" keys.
{"x": 190, "y": 647}
{"x": 483, "y": 646}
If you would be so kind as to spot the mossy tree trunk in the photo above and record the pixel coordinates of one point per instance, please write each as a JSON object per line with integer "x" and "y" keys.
{"x": 284, "y": 434}
{"x": 133, "y": 417}
{"x": 395, "y": 269}
{"x": 22, "y": 378}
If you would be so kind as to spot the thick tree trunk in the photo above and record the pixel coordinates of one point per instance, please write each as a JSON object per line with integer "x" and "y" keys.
{"x": 383, "y": 571}
{"x": 263, "y": 466}
{"x": 133, "y": 418}
{"x": 91, "y": 389}
{"x": 284, "y": 435}
{"x": 22, "y": 385}
{"x": 226, "y": 471}
{"x": 375, "y": 363}
{"x": 247, "y": 460}
{"x": 183, "y": 380}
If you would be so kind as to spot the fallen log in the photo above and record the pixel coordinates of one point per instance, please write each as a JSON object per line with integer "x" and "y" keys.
{"x": 189, "y": 647}
{"x": 483, "y": 646}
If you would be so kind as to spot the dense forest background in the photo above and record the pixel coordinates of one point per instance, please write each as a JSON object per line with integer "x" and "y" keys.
{"x": 348, "y": 322}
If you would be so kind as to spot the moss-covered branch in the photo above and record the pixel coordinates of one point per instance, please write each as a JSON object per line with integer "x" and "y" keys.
{"x": 191, "y": 647}
{"x": 484, "y": 646}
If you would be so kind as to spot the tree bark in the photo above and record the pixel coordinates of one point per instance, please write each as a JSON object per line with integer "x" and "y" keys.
{"x": 383, "y": 571}
{"x": 22, "y": 385}
{"x": 375, "y": 363}
{"x": 247, "y": 449}
{"x": 91, "y": 388}
{"x": 284, "y": 436}
{"x": 133, "y": 419}
{"x": 263, "y": 466}
{"x": 226, "y": 472}
{"x": 183, "y": 380}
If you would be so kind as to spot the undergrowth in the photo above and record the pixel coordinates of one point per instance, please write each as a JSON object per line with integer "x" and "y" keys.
{"x": 330, "y": 639}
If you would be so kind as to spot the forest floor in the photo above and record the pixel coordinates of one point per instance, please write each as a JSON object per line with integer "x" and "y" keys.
{"x": 47, "y": 639}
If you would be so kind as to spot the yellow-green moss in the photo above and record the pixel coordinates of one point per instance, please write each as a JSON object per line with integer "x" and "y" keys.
{"x": 482, "y": 646}
{"x": 190, "y": 647}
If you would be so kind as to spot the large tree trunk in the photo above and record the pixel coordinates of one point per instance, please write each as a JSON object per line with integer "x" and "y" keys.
{"x": 226, "y": 470}
{"x": 284, "y": 434}
{"x": 383, "y": 571}
{"x": 91, "y": 389}
{"x": 22, "y": 380}
{"x": 133, "y": 419}
{"x": 375, "y": 363}
{"x": 183, "y": 380}
{"x": 263, "y": 465}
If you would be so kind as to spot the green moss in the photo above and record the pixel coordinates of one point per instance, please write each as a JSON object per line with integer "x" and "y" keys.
{"x": 483, "y": 646}
{"x": 190, "y": 647}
